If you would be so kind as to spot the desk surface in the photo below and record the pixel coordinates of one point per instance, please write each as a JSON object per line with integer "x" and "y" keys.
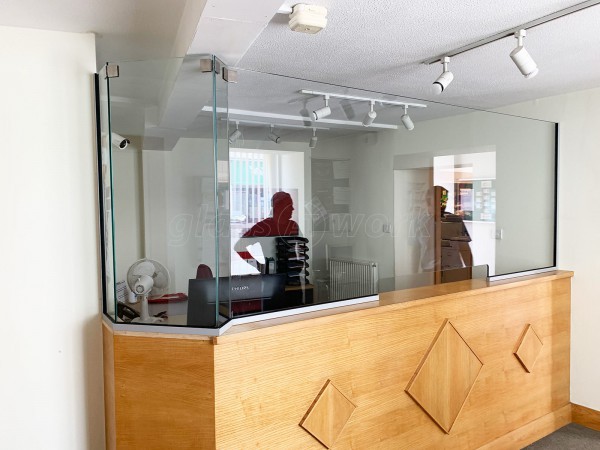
{"x": 394, "y": 300}
{"x": 299, "y": 288}
{"x": 405, "y": 298}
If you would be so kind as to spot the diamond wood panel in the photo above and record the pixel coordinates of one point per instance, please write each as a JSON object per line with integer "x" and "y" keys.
{"x": 529, "y": 348}
{"x": 328, "y": 414}
{"x": 445, "y": 377}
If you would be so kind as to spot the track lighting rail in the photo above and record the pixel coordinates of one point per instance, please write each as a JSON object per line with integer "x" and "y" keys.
{"x": 278, "y": 125}
{"x": 362, "y": 99}
{"x": 239, "y": 114}
{"x": 512, "y": 31}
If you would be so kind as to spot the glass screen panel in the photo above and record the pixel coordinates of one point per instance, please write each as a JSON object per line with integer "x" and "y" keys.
{"x": 330, "y": 209}
{"x": 276, "y": 193}
{"x": 164, "y": 191}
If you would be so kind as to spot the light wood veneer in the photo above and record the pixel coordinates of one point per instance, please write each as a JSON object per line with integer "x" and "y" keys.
{"x": 328, "y": 414}
{"x": 163, "y": 394}
{"x": 587, "y": 417}
{"x": 251, "y": 388}
{"x": 530, "y": 346}
{"x": 445, "y": 377}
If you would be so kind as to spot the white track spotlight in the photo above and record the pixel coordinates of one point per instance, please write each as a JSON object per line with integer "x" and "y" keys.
{"x": 119, "y": 141}
{"x": 371, "y": 115}
{"x": 322, "y": 112}
{"x": 522, "y": 58}
{"x": 273, "y": 137}
{"x": 313, "y": 139}
{"x": 406, "y": 120}
{"x": 444, "y": 79}
{"x": 236, "y": 134}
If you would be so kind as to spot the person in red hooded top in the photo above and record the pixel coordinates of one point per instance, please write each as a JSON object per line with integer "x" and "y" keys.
{"x": 281, "y": 224}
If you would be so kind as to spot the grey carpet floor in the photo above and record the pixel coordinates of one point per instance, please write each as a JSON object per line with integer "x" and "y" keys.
{"x": 571, "y": 437}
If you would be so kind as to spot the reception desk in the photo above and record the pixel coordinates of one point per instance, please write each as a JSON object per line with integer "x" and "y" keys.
{"x": 464, "y": 365}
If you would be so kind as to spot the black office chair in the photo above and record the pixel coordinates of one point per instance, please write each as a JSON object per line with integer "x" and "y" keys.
{"x": 203, "y": 271}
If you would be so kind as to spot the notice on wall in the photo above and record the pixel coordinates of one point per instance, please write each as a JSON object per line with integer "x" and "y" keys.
{"x": 341, "y": 169}
{"x": 341, "y": 195}
{"x": 330, "y": 190}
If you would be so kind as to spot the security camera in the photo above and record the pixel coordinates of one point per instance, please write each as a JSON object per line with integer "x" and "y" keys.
{"x": 119, "y": 141}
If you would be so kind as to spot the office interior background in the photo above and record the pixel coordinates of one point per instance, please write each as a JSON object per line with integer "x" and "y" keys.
{"x": 51, "y": 394}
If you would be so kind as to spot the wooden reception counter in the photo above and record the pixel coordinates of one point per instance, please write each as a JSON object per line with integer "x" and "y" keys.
{"x": 462, "y": 365}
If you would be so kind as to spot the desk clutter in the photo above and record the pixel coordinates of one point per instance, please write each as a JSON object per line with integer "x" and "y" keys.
{"x": 292, "y": 259}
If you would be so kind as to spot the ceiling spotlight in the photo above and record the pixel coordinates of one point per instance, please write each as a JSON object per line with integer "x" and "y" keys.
{"x": 236, "y": 134}
{"x": 445, "y": 78}
{"x": 119, "y": 141}
{"x": 322, "y": 112}
{"x": 522, "y": 58}
{"x": 313, "y": 139}
{"x": 273, "y": 137}
{"x": 406, "y": 120}
{"x": 371, "y": 115}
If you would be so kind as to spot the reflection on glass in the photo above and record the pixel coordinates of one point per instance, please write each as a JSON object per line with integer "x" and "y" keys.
{"x": 247, "y": 223}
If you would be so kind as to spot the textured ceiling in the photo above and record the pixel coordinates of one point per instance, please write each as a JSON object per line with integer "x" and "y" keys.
{"x": 379, "y": 45}
{"x": 376, "y": 45}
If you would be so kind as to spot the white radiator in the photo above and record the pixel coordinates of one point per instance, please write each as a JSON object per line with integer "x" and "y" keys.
{"x": 352, "y": 279}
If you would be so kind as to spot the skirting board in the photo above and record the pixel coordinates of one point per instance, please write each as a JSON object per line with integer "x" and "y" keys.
{"x": 587, "y": 417}
{"x": 533, "y": 431}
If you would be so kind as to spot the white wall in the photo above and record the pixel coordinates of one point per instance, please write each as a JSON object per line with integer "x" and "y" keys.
{"x": 524, "y": 169}
{"x": 179, "y": 205}
{"x": 579, "y": 215}
{"x": 128, "y": 203}
{"x": 50, "y": 337}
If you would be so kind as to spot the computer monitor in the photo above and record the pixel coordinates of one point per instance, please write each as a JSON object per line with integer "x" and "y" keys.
{"x": 202, "y": 294}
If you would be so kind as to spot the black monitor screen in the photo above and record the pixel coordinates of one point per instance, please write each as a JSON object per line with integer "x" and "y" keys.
{"x": 202, "y": 294}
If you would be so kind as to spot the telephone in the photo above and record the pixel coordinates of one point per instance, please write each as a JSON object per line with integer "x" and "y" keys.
{"x": 126, "y": 313}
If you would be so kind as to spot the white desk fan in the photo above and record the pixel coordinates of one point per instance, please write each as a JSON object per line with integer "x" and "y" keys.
{"x": 147, "y": 278}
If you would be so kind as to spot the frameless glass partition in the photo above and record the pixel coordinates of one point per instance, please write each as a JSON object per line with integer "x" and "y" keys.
{"x": 166, "y": 188}
{"x": 350, "y": 193}
{"x": 274, "y": 193}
